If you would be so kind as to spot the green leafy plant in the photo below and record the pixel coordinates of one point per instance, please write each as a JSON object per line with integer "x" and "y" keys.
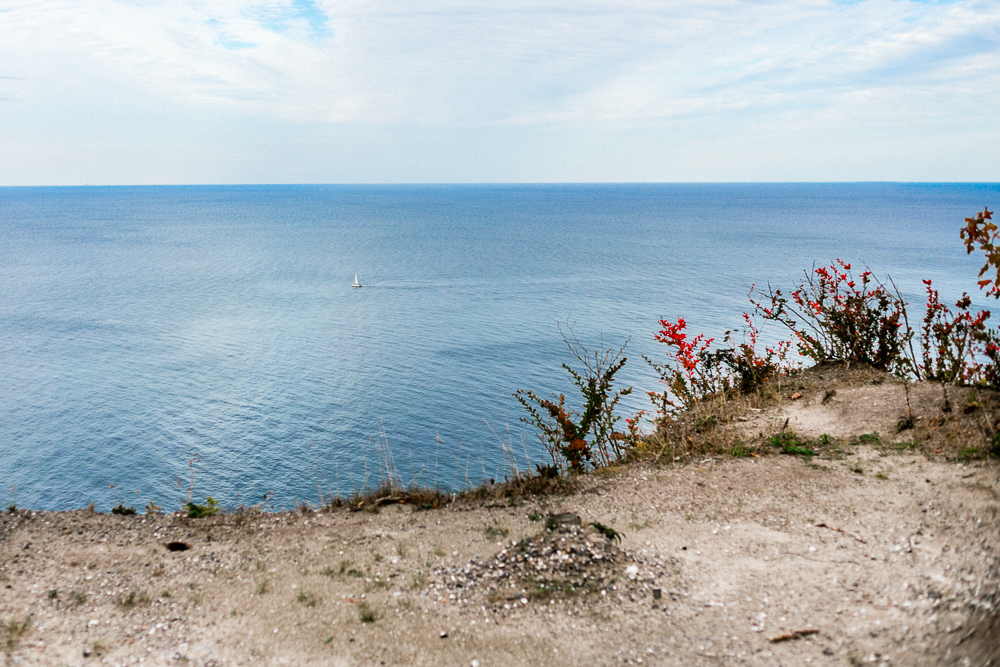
{"x": 118, "y": 506}
{"x": 607, "y": 531}
{"x": 588, "y": 437}
{"x": 195, "y": 511}
{"x": 790, "y": 444}
{"x": 210, "y": 508}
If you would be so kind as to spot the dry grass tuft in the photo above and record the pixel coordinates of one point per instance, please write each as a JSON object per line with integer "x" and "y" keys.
{"x": 13, "y": 631}
{"x": 710, "y": 427}
{"x": 133, "y": 599}
{"x": 366, "y": 614}
{"x": 422, "y": 498}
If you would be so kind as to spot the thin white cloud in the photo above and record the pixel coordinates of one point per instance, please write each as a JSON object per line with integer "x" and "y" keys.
{"x": 447, "y": 62}
{"x": 629, "y": 64}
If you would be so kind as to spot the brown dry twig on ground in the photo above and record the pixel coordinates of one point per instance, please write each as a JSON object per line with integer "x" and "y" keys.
{"x": 841, "y": 530}
{"x": 795, "y": 634}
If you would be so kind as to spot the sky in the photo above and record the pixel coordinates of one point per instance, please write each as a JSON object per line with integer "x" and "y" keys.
{"x": 114, "y": 92}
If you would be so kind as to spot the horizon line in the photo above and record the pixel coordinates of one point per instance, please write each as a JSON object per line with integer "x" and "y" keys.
{"x": 489, "y": 183}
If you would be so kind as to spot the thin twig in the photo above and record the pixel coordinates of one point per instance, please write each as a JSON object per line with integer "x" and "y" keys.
{"x": 840, "y": 530}
{"x": 197, "y": 457}
{"x": 915, "y": 367}
{"x": 795, "y": 634}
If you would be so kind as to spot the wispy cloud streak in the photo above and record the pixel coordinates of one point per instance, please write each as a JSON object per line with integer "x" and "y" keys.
{"x": 510, "y": 62}
{"x": 671, "y": 68}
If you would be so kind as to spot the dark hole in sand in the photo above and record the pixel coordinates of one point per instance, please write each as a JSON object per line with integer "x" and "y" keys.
{"x": 177, "y": 546}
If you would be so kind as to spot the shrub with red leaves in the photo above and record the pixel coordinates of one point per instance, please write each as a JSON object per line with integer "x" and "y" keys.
{"x": 978, "y": 231}
{"x": 695, "y": 371}
{"x": 952, "y": 343}
{"x": 837, "y": 317}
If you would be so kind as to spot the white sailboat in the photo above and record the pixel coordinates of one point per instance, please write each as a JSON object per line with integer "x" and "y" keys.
{"x": 356, "y": 283}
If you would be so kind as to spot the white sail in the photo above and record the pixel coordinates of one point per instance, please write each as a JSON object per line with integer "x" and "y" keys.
{"x": 356, "y": 283}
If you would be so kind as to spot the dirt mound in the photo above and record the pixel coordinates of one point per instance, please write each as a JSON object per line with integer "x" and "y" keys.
{"x": 563, "y": 561}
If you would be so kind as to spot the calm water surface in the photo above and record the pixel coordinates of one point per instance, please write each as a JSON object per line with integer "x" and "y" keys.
{"x": 140, "y": 326}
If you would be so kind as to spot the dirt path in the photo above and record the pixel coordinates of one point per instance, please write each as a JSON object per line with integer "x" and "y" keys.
{"x": 897, "y": 563}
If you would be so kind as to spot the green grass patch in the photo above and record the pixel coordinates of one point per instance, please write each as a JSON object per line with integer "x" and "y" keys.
{"x": 308, "y": 599}
{"x": 790, "y": 444}
{"x": 210, "y": 508}
{"x": 870, "y": 438}
{"x": 366, "y": 613}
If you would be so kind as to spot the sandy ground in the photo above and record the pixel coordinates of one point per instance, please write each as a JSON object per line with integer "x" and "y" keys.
{"x": 880, "y": 555}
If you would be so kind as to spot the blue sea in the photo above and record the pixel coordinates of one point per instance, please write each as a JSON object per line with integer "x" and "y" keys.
{"x": 142, "y": 326}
